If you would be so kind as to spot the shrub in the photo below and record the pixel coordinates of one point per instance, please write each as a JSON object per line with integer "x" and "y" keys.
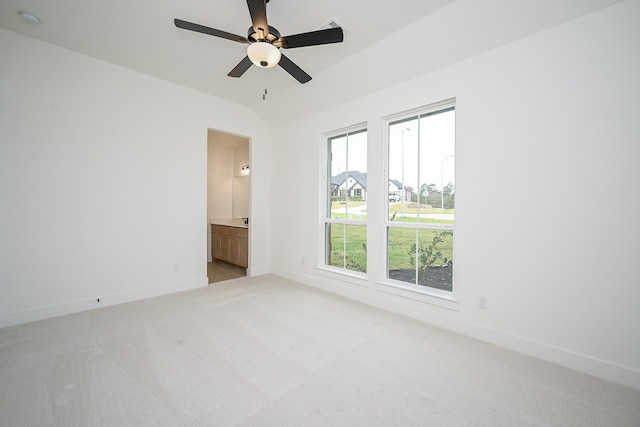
{"x": 430, "y": 255}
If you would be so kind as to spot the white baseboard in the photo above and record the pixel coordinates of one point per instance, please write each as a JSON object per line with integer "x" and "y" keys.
{"x": 258, "y": 271}
{"x": 580, "y": 362}
{"x": 77, "y": 306}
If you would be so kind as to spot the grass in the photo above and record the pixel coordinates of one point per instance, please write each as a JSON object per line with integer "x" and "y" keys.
{"x": 349, "y": 246}
{"x": 354, "y": 255}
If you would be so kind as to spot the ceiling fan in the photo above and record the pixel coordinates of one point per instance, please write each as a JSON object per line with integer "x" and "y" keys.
{"x": 265, "y": 42}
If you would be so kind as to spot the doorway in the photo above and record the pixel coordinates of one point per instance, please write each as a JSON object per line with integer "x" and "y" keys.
{"x": 228, "y": 195}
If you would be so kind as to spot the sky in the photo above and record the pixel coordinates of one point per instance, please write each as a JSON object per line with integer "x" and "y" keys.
{"x": 435, "y": 153}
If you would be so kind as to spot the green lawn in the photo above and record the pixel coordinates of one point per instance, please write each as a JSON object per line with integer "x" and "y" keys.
{"x": 353, "y": 255}
{"x": 401, "y": 242}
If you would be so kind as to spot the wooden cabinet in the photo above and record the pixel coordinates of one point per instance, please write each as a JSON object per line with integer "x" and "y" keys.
{"x": 230, "y": 244}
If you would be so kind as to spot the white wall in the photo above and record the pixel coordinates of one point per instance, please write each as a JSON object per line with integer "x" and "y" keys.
{"x": 241, "y": 183}
{"x": 220, "y": 188}
{"x": 240, "y": 158}
{"x": 552, "y": 122}
{"x": 103, "y": 176}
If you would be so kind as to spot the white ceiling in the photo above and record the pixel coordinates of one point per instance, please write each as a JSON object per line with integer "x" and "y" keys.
{"x": 385, "y": 41}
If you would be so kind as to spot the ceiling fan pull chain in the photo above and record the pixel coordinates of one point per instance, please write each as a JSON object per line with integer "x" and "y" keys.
{"x": 265, "y": 83}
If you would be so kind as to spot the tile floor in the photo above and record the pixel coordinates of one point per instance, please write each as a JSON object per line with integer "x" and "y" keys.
{"x": 217, "y": 271}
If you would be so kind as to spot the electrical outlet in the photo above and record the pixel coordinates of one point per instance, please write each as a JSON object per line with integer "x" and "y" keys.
{"x": 482, "y": 301}
{"x": 302, "y": 261}
{"x": 176, "y": 268}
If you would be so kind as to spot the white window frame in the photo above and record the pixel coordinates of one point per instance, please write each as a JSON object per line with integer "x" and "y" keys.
{"x": 434, "y": 296}
{"x": 351, "y": 276}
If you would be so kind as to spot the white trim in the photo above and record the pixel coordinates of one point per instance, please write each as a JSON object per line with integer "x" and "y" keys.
{"x": 424, "y": 294}
{"x": 344, "y": 275}
{"x": 425, "y": 109}
{"x": 257, "y": 271}
{"x": 325, "y": 195}
{"x": 85, "y": 304}
{"x": 360, "y": 127}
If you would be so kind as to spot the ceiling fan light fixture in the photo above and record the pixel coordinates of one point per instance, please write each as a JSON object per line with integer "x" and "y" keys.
{"x": 263, "y": 54}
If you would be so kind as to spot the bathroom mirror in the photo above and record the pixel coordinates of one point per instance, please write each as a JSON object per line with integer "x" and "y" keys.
{"x": 241, "y": 196}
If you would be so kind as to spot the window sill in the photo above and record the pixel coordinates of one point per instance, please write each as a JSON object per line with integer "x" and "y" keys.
{"x": 353, "y": 277}
{"x": 421, "y": 293}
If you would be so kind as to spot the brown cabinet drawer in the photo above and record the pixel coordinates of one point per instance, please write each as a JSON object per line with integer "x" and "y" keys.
{"x": 240, "y": 232}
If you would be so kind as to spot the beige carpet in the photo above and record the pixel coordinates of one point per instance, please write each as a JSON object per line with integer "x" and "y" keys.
{"x": 266, "y": 351}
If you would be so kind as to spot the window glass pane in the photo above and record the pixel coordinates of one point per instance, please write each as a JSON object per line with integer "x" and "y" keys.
{"x": 357, "y": 180}
{"x": 427, "y": 261}
{"x": 434, "y": 258}
{"x": 437, "y": 165}
{"x": 403, "y": 168}
{"x": 334, "y": 237}
{"x": 401, "y": 244}
{"x": 346, "y": 246}
{"x": 348, "y": 171}
{"x": 337, "y": 167}
{"x": 356, "y": 247}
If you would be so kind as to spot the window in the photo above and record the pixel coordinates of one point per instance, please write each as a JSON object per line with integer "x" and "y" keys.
{"x": 346, "y": 202}
{"x": 421, "y": 205}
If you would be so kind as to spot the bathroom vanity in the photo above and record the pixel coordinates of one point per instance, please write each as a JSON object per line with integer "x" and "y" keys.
{"x": 230, "y": 241}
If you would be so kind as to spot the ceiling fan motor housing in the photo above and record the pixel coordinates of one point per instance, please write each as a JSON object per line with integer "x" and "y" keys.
{"x": 253, "y": 36}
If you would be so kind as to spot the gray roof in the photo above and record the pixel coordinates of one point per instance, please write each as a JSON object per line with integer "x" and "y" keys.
{"x": 342, "y": 177}
{"x": 361, "y": 178}
{"x": 396, "y": 183}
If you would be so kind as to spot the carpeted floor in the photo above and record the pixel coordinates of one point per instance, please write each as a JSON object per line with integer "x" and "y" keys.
{"x": 266, "y": 351}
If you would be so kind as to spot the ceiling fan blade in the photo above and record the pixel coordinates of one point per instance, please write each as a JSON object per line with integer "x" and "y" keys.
{"x": 210, "y": 31}
{"x": 313, "y": 38}
{"x": 258, "y": 12}
{"x": 294, "y": 70}
{"x": 241, "y": 68}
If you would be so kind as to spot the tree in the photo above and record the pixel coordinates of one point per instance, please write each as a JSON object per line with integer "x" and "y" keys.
{"x": 448, "y": 189}
{"x": 449, "y": 196}
{"x": 428, "y": 193}
{"x": 427, "y": 189}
